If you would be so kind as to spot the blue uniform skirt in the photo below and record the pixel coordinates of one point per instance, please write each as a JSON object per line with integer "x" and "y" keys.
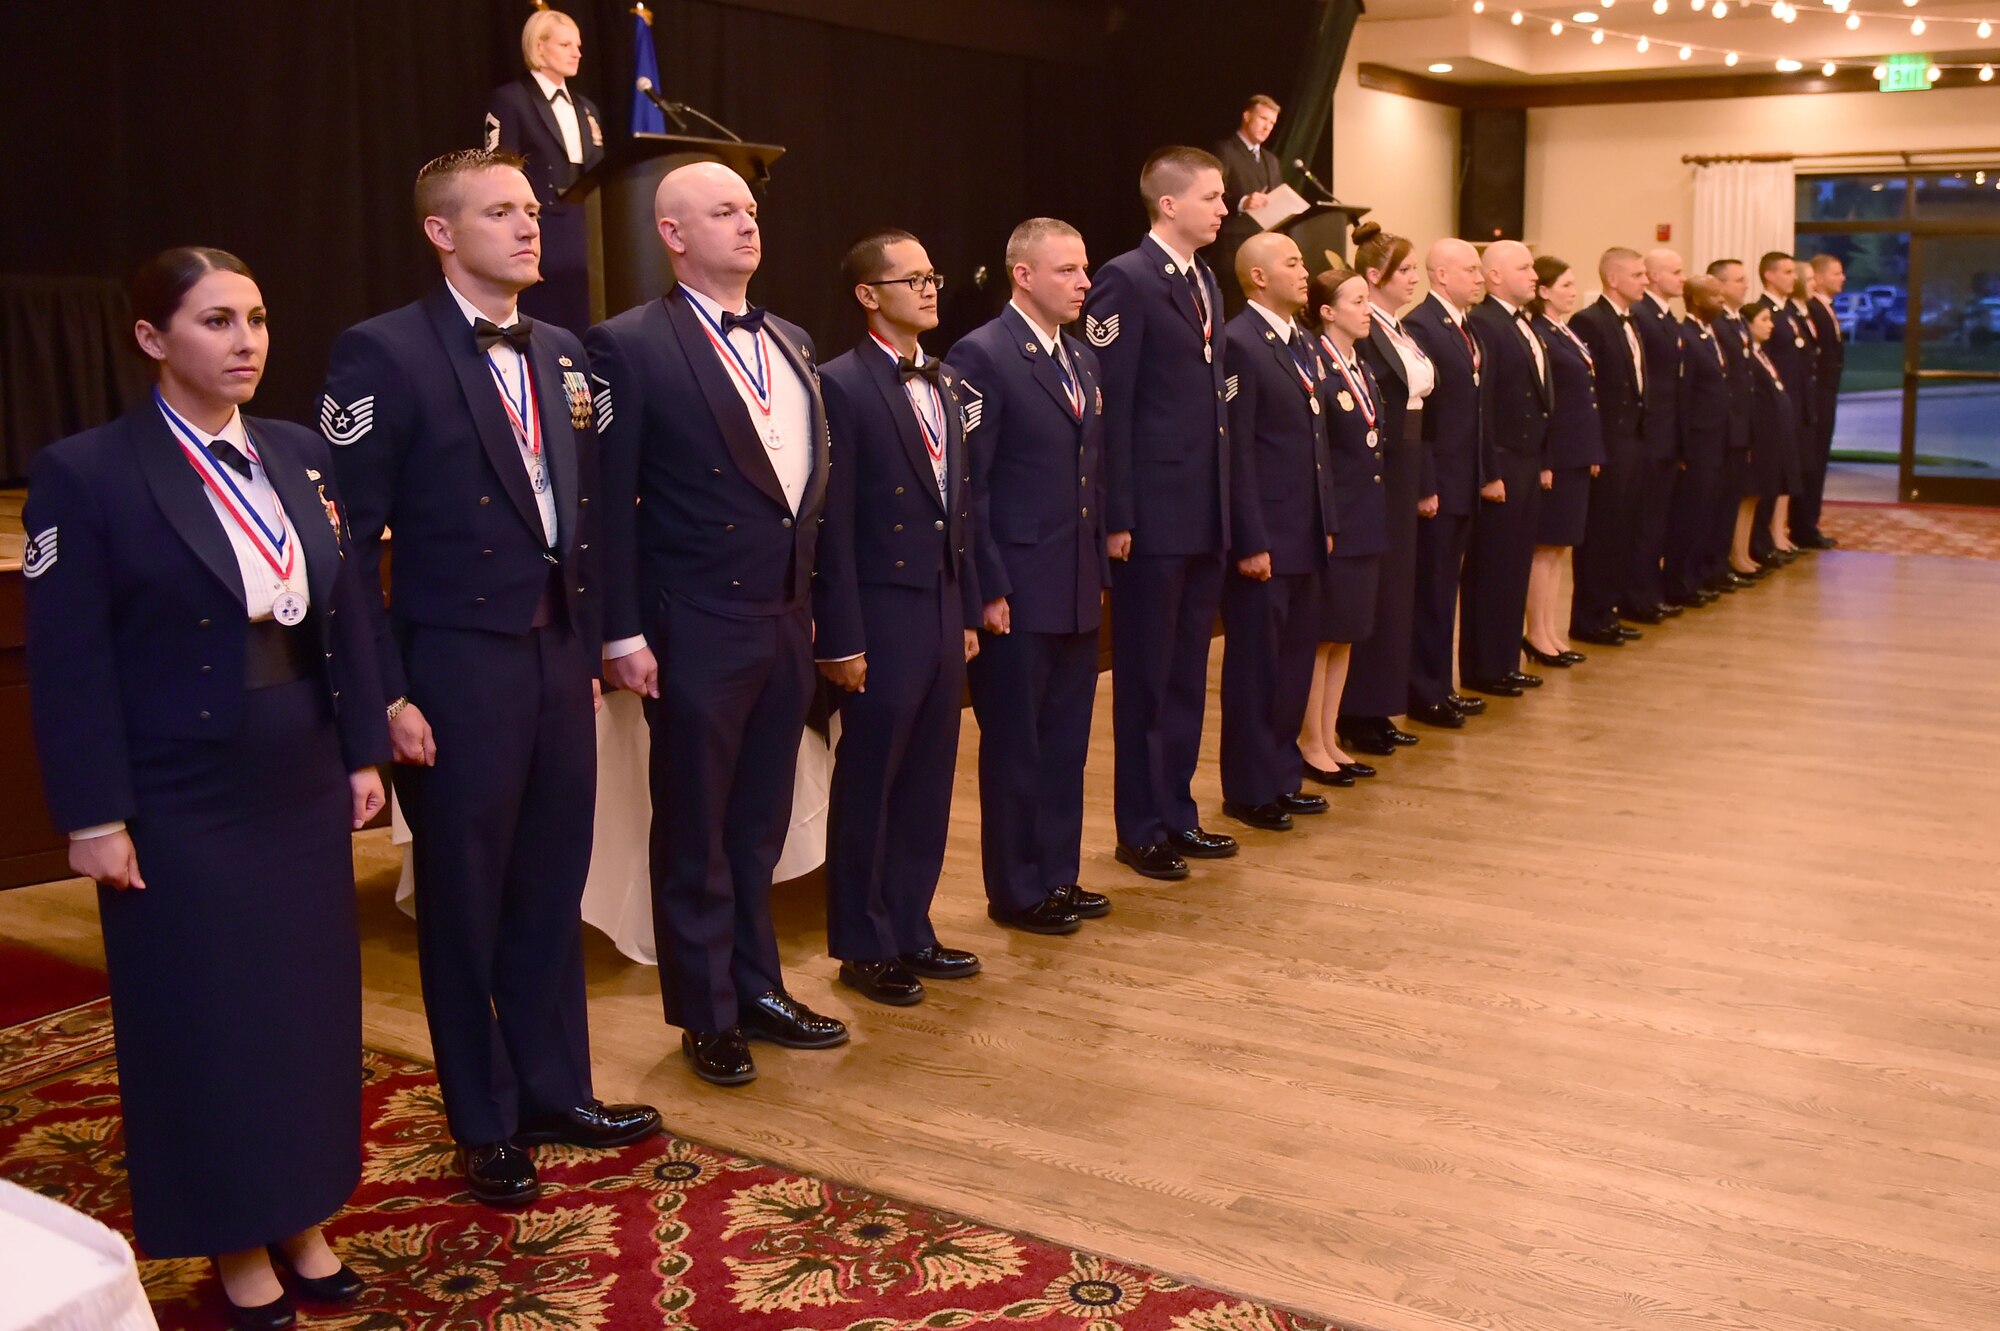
{"x": 236, "y": 982}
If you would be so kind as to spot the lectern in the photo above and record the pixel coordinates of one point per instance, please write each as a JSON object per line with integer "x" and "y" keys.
{"x": 1321, "y": 232}
{"x": 628, "y": 265}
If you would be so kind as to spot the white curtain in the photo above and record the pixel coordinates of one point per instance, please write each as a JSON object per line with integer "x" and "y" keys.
{"x": 1742, "y": 210}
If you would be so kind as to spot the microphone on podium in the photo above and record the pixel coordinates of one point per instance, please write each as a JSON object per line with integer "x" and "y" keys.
{"x": 667, "y": 108}
{"x": 1311, "y": 179}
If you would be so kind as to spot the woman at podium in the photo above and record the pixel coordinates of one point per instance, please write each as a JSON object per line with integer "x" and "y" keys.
{"x": 559, "y": 133}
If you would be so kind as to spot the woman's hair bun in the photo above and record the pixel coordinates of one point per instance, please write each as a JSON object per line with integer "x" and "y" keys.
{"x": 1366, "y": 232}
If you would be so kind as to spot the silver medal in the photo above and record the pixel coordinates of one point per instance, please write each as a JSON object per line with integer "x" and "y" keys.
{"x": 1208, "y": 353}
{"x": 288, "y": 608}
{"x": 774, "y": 438}
{"x": 1315, "y": 405}
{"x": 1373, "y": 438}
{"x": 538, "y": 478}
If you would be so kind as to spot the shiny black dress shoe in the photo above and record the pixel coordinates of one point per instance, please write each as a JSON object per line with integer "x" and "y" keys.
{"x": 501, "y": 1174}
{"x": 1570, "y": 658}
{"x": 884, "y": 981}
{"x": 1195, "y": 844}
{"x": 1499, "y": 688}
{"x": 1356, "y": 769}
{"x": 1642, "y": 614}
{"x": 1540, "y": 657}
{"x": 1370, "y": 737}
{"x": 343, "y": 1286}
{"x": 1463, "y": 705}
{"x": 1328, "y": 777}
{"x": 595, "y": 1126}
{"x": 776, "y": 1016}
{"x": 1401, "y": 738}
{"x": 273, "y": 1316}
{"x": 1630, "y": 634}
{"x": 938, "y": 962}
{"x": 1298, "y": 802}
{"x": 1270, "y": 817}
{"x": 1666, "y": 611}
{"x": 1523, "y": 681}
{"x": 1599, "y": 637}
{"x": 1152, "y": 861}
{"x": 1440, "y": 714}
{"x": 1051, "y": 915}
{"x": 1818, "y": 540}
{"x": 1084, "y": 905}
{"x": 720, "y": 1057}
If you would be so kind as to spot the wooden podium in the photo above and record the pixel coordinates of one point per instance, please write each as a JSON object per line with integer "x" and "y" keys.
{"x": 628, "y": 265}
{"x": 1322, "y": 231}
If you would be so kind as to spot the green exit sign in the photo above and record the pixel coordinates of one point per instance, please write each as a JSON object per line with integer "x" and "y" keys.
{"x": 1906, "y": 73}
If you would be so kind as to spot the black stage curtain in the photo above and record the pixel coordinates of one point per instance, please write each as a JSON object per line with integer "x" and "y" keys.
{"x": 290, "y": 133}
{"x": 66, "y": 362}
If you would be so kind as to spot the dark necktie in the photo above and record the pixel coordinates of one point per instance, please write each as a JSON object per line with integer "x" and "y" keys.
{"x": 230, "y": 456}
{"x": 907, "y": 369}
{"x": 1302, "y": 356}
{"x": 1197, "y": 288}
{"x": 487, "y": 335}
{"x": 752, "y": 319}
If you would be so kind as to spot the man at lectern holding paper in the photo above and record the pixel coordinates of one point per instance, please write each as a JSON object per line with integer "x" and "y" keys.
{"x": 1249, "y": 174}
{"x": 559, "y": 133}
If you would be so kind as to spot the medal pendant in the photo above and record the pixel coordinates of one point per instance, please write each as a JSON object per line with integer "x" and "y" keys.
{"x": 1208, "y": 353}
{"x": 774, "y": 438}
{"x": 288, "y": 608}
{"x": 1374, "y": 438}
{"x": 538, "y": 478}
{"x": 1315, "y": 405}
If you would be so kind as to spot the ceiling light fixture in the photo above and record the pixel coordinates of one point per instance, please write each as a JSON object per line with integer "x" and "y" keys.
{"x": 1916, "y": 27}
{"x": 1719, "y": 8}
{"x": 1659, "y": 6}
{"x": 1853, "y": 22}
{"x": 1828, "y": 69}
{"x": 1644, "y": 46}
{"x": 1788, "y": 66}
{"x": 1881, "y": 72}
{"x": 1597, "y": 37}
{"x": 1730, "y": 59}
{"x": 1556, "y": 28}
{"x": 1935, "y": 73}
{"x": 1441, "y": 67}
{"x": 1686, "y": 51}
{"x": 1585, "y": 16}
{"x": 1986, "y": 73}
{"x": 1985, "y": 29}
{"x": 1516, "y": 20}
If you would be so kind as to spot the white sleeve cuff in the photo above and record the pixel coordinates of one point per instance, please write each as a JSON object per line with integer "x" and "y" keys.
{"x": 101, "y": 829}
{"x": 836, "y": 660}
{"x": 624, "y": 646}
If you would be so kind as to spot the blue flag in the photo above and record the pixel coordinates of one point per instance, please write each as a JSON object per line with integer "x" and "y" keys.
{"x": 646, "y": 118}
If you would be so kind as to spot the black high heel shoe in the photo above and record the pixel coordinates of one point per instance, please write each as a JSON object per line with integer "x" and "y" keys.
{"x": 276, "y": 1315}
{"x": 343, "y": 1286}
{"x": 1539, "y": 657}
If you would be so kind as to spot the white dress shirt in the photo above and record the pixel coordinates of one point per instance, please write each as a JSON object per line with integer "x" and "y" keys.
{"x": 564, "y": 108}
{"x": 787, "y": 432}
{"x": 512, "y": 367}
{"x": 928, "y": 403}
{"x": 1528, "y": 335}
{"x": 1632, "y": 344}
{"x": 1417, "y": 368}
{"x": 1049, "y": 341}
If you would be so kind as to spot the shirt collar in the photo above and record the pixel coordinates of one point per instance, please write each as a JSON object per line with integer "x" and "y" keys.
{"x": 1387, "y": 317}
{"x": 1185, "y": 262}
{"x": 549, "y": 86}
{"x": 1654, "y": 296}
{"x": 1279, "y": 324}
{"x": 1450, "y": 312}
{"x": 711, "y": 307}
{"x": 1048, "y": 343}
{"x": 1513, "y": 311}
{"x": 471, "y": 311}
{"x": 895, "y": 356}
{"x": 232, "y": 431}
{"x": 1256, "y": 149}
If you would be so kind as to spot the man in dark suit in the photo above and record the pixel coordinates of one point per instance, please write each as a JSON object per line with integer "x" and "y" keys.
{"x": 1732, "y": 288}
{"x": 1154, "y": 318}
{"x": 1454, "y": 435}
{"x": 1793, "y": 350}
{"x": 1829, "y": 279}
{"x": 1281, "y": 531}
{"x": 896, "y": 613}
{"x": 1644, "y": 597}
{"x": 470, "y": 431}
{"x": 1606, "y": 556}
{"x": 559, "y": 134}
{"x": 715, "y": 472}
{"x": 1707, "y": 410}
{"x": 1034, "y": 426}
{"x": 1249, "y": 173}
{"x": 1516, "y": 398}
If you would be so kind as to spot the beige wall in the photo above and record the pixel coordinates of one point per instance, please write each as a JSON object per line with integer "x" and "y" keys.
{"x": 1397, "y": 155}
{"x": 1607, "y": 175}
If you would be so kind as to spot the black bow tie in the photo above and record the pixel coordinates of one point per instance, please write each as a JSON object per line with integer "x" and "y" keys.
{"x": 752, "y": 319}
{"x": 230, "y": 456}
{"x": 487, "y": 335}
{"x": 561, "y": 94}
{"x": 907, "y": 369}
{"x": 1524, "y": 314}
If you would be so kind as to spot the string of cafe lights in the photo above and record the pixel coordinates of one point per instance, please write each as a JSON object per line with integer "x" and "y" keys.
{"x": 1785, "y": 11}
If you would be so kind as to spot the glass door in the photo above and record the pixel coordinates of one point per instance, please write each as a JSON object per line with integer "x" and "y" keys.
{"x": 1951, "y": 380}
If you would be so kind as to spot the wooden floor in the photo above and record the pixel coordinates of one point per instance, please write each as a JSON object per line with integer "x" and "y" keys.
{"x": 1668, "y": 997}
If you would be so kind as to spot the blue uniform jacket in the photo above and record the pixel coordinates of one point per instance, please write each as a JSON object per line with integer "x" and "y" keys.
{"x": 423, "y": 447}
{"x": 1037, "y": 488}
{"x": 1454, "y": 425}
{"x": 1516, "y": 399}
{"x": 886, "y": 524}
{"x": 135, "y": 617}
{"x": 1281, "y": 483}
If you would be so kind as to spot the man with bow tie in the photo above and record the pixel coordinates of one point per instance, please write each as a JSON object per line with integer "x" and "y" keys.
{"x": 896, "y": 611}
{"x": 470, "y": 430}
{"x": 1605, "y": 560}
{"x": 715, "y": 474}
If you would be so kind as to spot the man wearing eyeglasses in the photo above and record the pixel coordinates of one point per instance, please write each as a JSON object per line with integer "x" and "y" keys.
{"x": 896, "y": 614}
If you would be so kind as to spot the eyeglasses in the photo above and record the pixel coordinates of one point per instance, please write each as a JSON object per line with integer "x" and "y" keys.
{"x": 918, "y": 283}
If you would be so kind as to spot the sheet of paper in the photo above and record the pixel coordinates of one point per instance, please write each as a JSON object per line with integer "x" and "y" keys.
{"x": 1280, "y": 205}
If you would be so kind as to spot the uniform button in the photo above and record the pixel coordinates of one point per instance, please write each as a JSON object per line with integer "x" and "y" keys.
{"x": 897, "y": 527}
{"x": 716, "y": 471}
{"x": 484, "y": 554}
{"x": 584, "y": 546}
{"x": 484, "y": 500}
{"x": 336, "y": 695}
{"x": 1083, "y": 480}
{"x": 202, "y": 625}
{"x": 329, "y": 656}
{"x": 479, "y": 600}
{"x": 938, "y": 525}
{"x": 899, "y": 489}
{"x": 208, "y": 670}
{"x": 785, "y": 522}
{"x": 204, "y": 716}
{"x": 729, "y": 526}
{"x": 899, "y": 563}
{"x": 735, "y": 584}
{"x": 1378, "y": 480}
{"x": 584, "y": 500}
{"x": 1086, "y": 512}
{"x": 581, "y": 590}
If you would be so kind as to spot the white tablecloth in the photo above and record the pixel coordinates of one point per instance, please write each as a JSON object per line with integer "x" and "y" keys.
{"x": 62, "y": 1271}
{"x": 617, "y": 898}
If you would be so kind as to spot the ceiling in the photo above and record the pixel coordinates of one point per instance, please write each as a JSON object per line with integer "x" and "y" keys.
{"x": 1488, "y": 48}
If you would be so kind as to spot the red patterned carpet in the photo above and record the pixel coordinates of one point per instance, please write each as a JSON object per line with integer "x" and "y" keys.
{"x": 33, "y": 982}
{"x": 669, "y": 1235}
{"x": 1914, "y": 529}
